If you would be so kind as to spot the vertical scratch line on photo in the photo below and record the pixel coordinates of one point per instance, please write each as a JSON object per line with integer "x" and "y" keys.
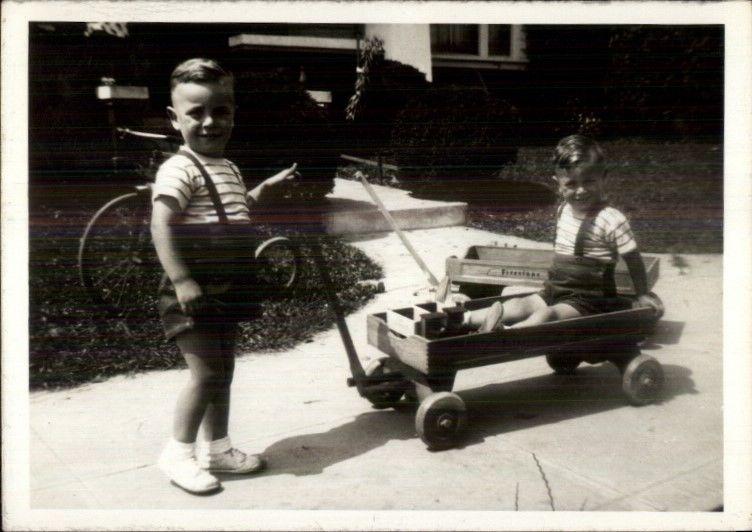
{"x": 545, "y": 481}
{"x": 517, "y": 497}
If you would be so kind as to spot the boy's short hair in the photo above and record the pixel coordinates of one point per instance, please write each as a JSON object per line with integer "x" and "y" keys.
{"x": 198, "y": 69}
{"x": 575, "y": 150}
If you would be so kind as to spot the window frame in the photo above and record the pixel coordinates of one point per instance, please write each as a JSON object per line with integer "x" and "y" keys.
{"x": 516, "y": 51}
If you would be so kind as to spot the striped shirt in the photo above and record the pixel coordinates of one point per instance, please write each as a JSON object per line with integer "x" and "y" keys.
{"x": 607, "y": 237}
{"x": 180, "y": 179}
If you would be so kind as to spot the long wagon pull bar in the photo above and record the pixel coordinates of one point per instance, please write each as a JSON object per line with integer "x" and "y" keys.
{"x": 366, "y": 385}
{"x": 400, "y": 234}
{"x": 356, "y": 367}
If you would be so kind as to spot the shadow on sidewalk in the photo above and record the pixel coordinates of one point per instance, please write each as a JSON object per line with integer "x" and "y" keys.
{"x": 492, "y": 409}
{"x": 507, "y": 407}
{"x": 311, "y": 454}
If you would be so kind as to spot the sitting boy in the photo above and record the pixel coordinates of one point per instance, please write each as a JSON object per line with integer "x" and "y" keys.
{"x": 590, "y": 237}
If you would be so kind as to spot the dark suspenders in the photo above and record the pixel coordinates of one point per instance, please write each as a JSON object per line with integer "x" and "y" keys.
{"x": 221, "y": 213}
{"x": 585, "y": 225}
{"x": 579, "y": 259}
{"x": 241, "y": 302}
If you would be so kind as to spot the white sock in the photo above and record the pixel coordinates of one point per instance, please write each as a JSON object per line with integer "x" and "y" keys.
{"x": 179, "y": 450}
{"x": 220, "y": 446}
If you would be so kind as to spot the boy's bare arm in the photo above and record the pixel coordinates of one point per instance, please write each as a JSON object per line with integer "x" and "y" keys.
{"x": 637, "y": 271}
{"x": 287, "y": 174}
{"x": 186, "y": 288}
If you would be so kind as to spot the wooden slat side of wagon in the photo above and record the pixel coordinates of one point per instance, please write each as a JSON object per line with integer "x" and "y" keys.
{"x": 487, "y": 267}
{"x": 429, "y": 364}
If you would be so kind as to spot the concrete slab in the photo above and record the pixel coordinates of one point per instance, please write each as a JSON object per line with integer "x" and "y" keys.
{"x": 535, "y": 441}
{"x": 351, "y": 210}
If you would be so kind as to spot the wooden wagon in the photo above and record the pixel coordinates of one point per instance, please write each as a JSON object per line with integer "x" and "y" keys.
{"x": 423, "y": 352}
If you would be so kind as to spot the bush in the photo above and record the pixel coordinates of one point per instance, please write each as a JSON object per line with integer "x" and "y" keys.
{"x": 277, "y": 124}
{"x": 389, "y": 85}
{"x": 671, "y": 77}
{"x": 454, "y": 134}
{"x": 649, "y": 81}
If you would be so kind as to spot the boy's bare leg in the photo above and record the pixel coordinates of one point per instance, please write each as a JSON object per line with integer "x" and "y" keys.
{"x": 214, "y": 425}
{"x": 560, "y": 311}
{"x": 515, "y": 309}
{"x": 203, "y": 352}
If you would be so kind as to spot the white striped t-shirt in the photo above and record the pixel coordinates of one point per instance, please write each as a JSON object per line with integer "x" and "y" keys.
{"x": 607, "y": 237}
{"x": 180, "y": 179}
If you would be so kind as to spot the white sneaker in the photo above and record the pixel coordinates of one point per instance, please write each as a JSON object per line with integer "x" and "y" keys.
{"x": 186, "y": 474}
{"x": 232, "y": 461}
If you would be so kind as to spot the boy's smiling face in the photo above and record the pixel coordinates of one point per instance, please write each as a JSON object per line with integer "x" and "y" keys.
{"x": 204, "y": 113}
{"x": 582, "y": 185}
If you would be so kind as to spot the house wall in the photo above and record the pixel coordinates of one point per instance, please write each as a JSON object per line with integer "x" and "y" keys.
{"x": 407, "y": 43}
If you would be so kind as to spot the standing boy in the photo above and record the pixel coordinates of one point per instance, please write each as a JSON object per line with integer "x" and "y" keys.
{"x": 198, "y": 194}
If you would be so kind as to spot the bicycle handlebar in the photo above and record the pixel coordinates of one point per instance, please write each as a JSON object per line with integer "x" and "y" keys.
{"x": 124, "y": 131}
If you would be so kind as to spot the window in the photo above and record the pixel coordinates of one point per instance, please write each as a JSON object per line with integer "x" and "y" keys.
{"x": 490, "y": 45}
{"x": 499, "y": 39}
{"x": 454, "y": 39}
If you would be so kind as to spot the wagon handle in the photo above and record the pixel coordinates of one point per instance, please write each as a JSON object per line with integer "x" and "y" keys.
{"x": 356, "y": 368}
{"x": 392, "y": 222}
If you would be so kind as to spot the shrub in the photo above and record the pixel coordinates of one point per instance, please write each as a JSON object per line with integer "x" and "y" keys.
{"x": 650, "y": 81}
{"x": 452, "y": 134}
{"x": 388, "y": 87}
{"x": 671, "y": 78}
{"x": 277, "y": 124}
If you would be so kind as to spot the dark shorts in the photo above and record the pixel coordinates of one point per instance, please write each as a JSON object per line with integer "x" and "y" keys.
{"x": 585, "y": 304}
{"x": 222, "y": 305}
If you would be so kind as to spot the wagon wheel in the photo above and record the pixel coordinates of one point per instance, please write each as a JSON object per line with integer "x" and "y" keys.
{"x": 440, "y": 419}
{"x": 116, "y": 260}
{"x": 562, "y": 363}
{"x": 642, "y": 380}
{"x": 386, "y": 398}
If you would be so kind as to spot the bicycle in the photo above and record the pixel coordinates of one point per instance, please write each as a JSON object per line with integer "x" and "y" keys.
{"x": 117, "y": 263}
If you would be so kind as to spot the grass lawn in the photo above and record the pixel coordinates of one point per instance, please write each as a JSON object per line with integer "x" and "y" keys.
{"x": 672, "y": 194}
{"x": 73, "y": 341}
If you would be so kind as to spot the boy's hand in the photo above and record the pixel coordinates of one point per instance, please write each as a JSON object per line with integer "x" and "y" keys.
{"x": 188, "y": 293}
{"x": 651, "y": 301}
{"x": 287, "y": 174}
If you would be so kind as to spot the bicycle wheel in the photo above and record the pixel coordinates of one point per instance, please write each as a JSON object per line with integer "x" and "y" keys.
{"x": 116, "y": 260}
{"x": 279, "y": 264}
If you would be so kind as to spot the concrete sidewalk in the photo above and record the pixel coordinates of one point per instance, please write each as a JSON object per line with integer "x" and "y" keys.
{"x": 536, "y": 441}
{"x": 353, "y": 211}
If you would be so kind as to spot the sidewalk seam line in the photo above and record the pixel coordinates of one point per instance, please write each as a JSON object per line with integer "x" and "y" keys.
{"x": 77, "y": 478}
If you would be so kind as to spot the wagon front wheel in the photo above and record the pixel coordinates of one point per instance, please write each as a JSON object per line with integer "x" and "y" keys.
{"x": 440, "y": 419}
{"x": 386, "y": 398}
{"x": 642, "y": 380}
{"x": 562, "y": 364}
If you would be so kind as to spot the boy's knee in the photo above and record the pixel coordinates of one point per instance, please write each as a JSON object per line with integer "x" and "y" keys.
{"x": 544, "y": 314}
{"x": 212, "y": 377}
{"x": 564, "y": 311}
{"x": 532, "y": 303}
